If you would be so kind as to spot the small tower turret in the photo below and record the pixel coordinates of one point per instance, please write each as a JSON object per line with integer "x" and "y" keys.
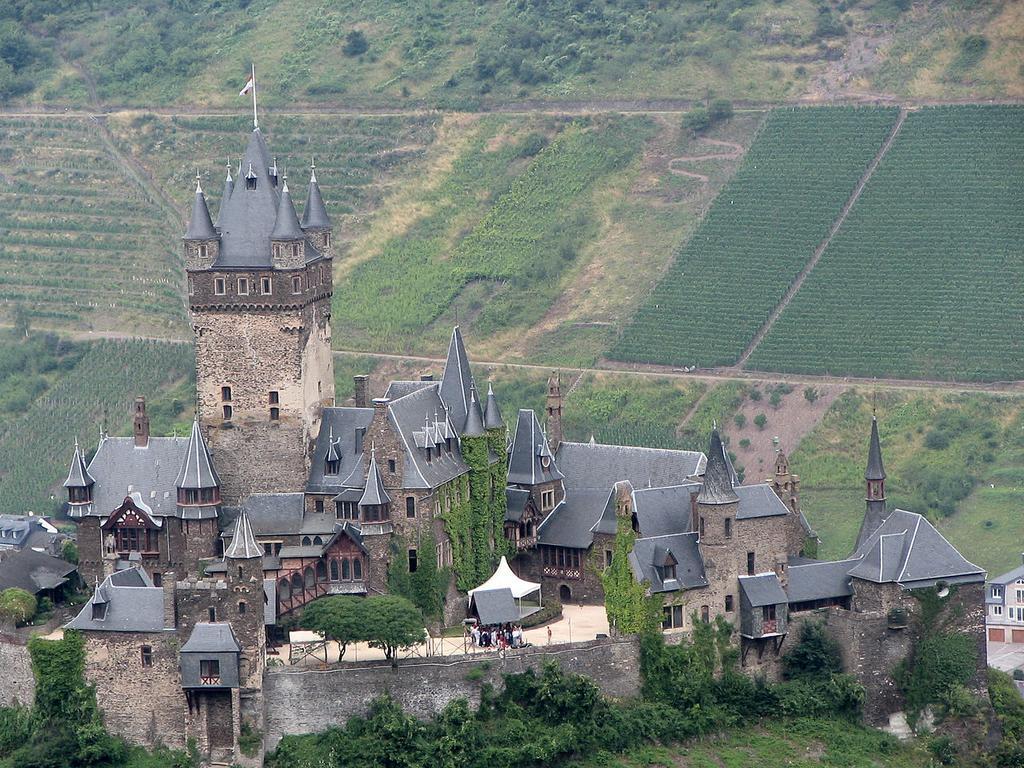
{"x": 717, "y": 502}
{"x": 79, "y": 484}
{"x": 229, "y": 187}
{"x": 874, "y": 477}
{"x": 374, "y": 504}
{"x": 315, "y": 221}
{"x": 287, "y": 240}
{"x": 492, "y": 414}
{"x": 140, "y": 423}
{"x": 198, "y": 484}
{"x": 474, "y": 426}
{"x": 202, "y": 243}
{"x": 553, "y": 410}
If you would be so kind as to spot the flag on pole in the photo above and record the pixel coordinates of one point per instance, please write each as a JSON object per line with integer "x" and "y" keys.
{"x": 250, "y": 85}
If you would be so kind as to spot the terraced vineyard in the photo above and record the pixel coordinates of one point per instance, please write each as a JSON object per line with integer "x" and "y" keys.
{"x": 924, "y": 278}
{"x": 83, "y": 245}
{"x": 35, "y": 449}
{"x": 760, "y": 232}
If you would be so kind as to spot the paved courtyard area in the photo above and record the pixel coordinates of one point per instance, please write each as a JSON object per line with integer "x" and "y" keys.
{"x": 578, "y": 623}
{"x": 1006, "y": 656}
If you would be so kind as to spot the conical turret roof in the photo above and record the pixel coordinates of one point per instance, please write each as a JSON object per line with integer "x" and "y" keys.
{"x": 229, "y": 187}
{"x": 243, "y": 544}
{"x": 875, "y": 470}
{"x": 287, "y": 225}
{"x": 197, "y": 470}
{"x": 492, "y": 414}
{"x": 78, "y": 474}
{"x": 717, "y": 487}
{"x": 374, "y": 494}
{"x": 456, "y": 379}
{"x": 200, "y": 227}
{"x": 474, "y": 426}
{"x": 314, "y": 214}
{"x": 247, "y": 217}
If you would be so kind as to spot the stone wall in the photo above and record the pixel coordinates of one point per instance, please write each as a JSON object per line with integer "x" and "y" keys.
{"x": 16, "y": 681}
{"x": 307, "y": 701}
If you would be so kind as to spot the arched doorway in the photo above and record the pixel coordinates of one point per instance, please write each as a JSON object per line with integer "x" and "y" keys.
{"x": 565, "y": 594}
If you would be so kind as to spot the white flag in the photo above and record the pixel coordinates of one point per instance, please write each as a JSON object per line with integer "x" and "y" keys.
{"x": 249, "y": 85}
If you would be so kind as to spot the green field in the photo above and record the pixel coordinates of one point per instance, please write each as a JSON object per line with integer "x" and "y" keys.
{"x": 83, "y": 246}
{"x": 36, "y": 445}
{"x": 923, "y": 280}
{"x": 761, "y": 230}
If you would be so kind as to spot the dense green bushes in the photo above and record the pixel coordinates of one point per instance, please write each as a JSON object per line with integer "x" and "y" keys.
{"x": 388, "y": 622}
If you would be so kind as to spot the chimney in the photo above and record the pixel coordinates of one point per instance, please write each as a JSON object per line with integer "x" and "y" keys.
{"x": 426, "y": 377}
{"x": 380, "y": 405}
{"x": 170, "y": 618}
{"x": 362, "y": 383}
{"x": 140, "y": 423}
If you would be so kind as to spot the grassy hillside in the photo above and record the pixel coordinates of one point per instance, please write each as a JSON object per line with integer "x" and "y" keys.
{"x": 467, "y": 52}
{"x": 760, "y": 232}
{"x": 922, "y": 281}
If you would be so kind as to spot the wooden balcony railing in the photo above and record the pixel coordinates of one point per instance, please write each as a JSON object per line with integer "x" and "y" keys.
{"x": 559, "y": 572}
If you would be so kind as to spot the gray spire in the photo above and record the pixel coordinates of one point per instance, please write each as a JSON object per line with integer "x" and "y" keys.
{"x": 492, "y": 415}
{"x": 474, "y": 426}
{"x": 314, "y": 215}
{"x": 197, "y": 470}
{"x": 247, "y": 217}
{"x": 243, "y": 544}
{"x": 200, "y": 227}
{"x": 332, "y": 447}
{"x": 875, "y": 470}
{"x": 287, "y": 225}
{"x": 229, "y": 186}
{"x": 717, "y": 487}
{"x": 733, "y": 477}
{"x": 374, "y": 494}
{"x": 78, "y": 475}
{"x": 456, "y": 379}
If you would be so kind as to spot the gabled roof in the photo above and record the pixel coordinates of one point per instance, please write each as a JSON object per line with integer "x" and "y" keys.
{"x": 762, "y": 589}
{"x": 270, "y": 513}
{"x": 314, "y": 214}
{"x": 373, "y": 493}
{"x": 1009, "y": 577}
{"x": 397, "y": 389}
{"x": 875, "y": 470}
{"x": 243, "y": 544}
{"x": 197, "y": 470}
{"x": 212, "y": 638}
{"x": 343, "y": 425}
{"x": 287, "y": 225}
{"x": 595, "y": 466}
{"x": 718, "y": 481}
{"x": 200, "y": 227}
{"x": 664, "y": 511}
{"x": 129, "y": 608}
{"x": 33, "y": 571}
{"x": 456, "y": 381}
{"x": 515, "y": 504}
{"x": 492, "y": 414}
{"x": 530, "y": 459}
{"x": 78, "y": 474}
{"x": 407, "y": 415}
{"x": 649, "y": 553}
{"x": 819, "y": 580}
{"x": 758, "y": 500}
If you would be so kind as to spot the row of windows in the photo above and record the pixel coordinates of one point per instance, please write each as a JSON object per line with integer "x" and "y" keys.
{"x": 264, "y": 286}
{"x": 672, "y": 615}
{"x": 273, "y": 398}
{"x": 349, "y": 510}
{"x": 561, "y": 557}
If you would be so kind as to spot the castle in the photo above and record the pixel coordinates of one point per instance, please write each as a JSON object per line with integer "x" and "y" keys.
{"x": 198, "y": 547}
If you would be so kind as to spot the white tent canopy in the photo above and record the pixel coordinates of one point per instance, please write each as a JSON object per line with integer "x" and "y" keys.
{"x": 503, "y": 578}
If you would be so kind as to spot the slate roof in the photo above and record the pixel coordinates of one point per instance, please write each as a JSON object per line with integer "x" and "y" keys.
{"x": 492, "y": 414}
{"x": 718, "y": 481}
{"x": 530, "y": 453}
{"x": 664, "y": 511}
{"x": 200, "y": 227}
{"x": 374, "y": 494}
{"x": 457, "y": 378}
{"x": 762, "y": 589}
{"x": 15, "y": 530}
{"x": 33, "y": 571}
{"x": 78, "y": 474}
{"x": 397, "y": 389}
{"x": 243, "y": 545}
{"x": 496, "y": 606}
{"x": 197, "y": 471}
{"x": 270, "y": 513}
{"x": 343, "y": 424}
{"x": 908, "y": 550}
{"x": 287, "y": 225}
{"x": 1009, "y": 577}
{"x": 875, "y": 470}
{"x": 119, "y": 467}
{"x": 650, "y": 551}
{"x": 130, "y": 608}
{"x": 515, "y": 504}
{"x": 571, "y": 522}
{"x": 212, "y": 638}
{"x": 592, "y": 465}
{"x": 819, "y": 580}
{"x": 229, "y": 186}
{"x": 314, "y": 214}
{"x": 758, "y": 500}
{"x": 407, "y": 415}
{"x": 474, "y": 426}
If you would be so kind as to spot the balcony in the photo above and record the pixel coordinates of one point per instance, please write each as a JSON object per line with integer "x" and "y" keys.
{"x": 212, "y": 680}
{"x": 526, "y": 542}
{"x": 770, "y": 627}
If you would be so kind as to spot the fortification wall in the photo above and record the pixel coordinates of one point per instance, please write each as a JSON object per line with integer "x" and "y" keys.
{"x": 307, "y": 701}
{"x": 16, "y": 681}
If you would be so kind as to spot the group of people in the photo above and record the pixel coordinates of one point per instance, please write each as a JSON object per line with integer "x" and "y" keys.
{"x": 499, "y": 636}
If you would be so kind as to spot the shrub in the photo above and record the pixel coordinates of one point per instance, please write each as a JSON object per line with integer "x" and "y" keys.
{"x": 936, "y": 440}
{"x": 815, "y": 655}
{"x": 940, "y": 662}
{"x": 760, "y": 420}
{"x": 17, "y": 606}
{"x": 69, "y": 551}
{"x": 356, "y": 43}
{"x": 720, "y": 109}
{"x": 745, "y": 443}
{"x": 810, "y": 394}
{"x": 696, "y": 120}
{"x": 739, "y": 420}
{"x": 532, "y": 144}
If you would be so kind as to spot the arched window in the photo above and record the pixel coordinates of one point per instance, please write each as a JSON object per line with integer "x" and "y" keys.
{"x": 334, "y": 570}
{"x": 321, "y": 571}
{"x": 310, "y": 577}
{"x": 318, "y": 541}
{"x": 284, "y": 589}
{"x": 357, "y": 569}
{"x": 346, "y": 573}
{"x": 305, "y": 541}
{"x": 296, "y": 583}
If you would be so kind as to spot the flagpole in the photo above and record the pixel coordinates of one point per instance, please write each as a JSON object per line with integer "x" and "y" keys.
{"x": 255, "y": 120}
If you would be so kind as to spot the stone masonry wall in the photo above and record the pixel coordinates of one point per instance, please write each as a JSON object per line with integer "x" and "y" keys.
{"x": 308, "y": 701}
{"x": 16, "y": 681}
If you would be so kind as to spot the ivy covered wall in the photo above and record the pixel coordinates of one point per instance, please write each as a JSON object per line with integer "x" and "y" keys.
{"x": 630, "y": 609}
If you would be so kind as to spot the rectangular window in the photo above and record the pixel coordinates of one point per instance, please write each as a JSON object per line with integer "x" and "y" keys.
{"x": 391, "y": 465}
{"x": 273, "y": 397}
{"x": 768, "y": 612}
{"x": 191, "y": 287}
{"x": 410, "y": 506}
{"x": 219, "y": 286}
{"x": 547, "y": 500}
{"x": 275, "y": 413}
{"x": 672, "y": 617}
{"x": 243, "y": 286}
{"x": 412, "y": 561}
{"x": 147, "y": 656}
{"x": 700, "y": 534}
{"x": 225, "y": 394}
{"x": 265, "y": 286}
{"x": 209, "y": 671}
{"x": 997, "y": 591}
{"x": 750, "y": 563}
{"x": 203, "y": 251}
{"x": 728, "y": 603}
{"x": 268, "y": 549}
{"x": 997, "y": 610}
{"x": 227, "y": 412}
{"x": 213, "y": 613}
{"x": 158, "y": 579}
{"x": 297, "y": 284}
{"x": 318, "y": 505}
{"x": 1020, "y": 595}
{"x": 728, "y": 527}
{"x": 327, "y": 239}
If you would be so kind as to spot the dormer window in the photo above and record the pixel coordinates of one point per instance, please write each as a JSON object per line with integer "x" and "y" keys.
{"x": 332, "y": 466}
{"x": 428, "y": 454}
{"x": 99, "y": 611}
{"x": 668, "y": 572}
{"x": 250, "y": 178}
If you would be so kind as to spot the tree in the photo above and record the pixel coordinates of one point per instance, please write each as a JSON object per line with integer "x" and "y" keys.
{"x": 760, "y": 420}
{"x": 810, "y": 394}
{"x": 696, "y": 120}
{"x": 392, "y": 623}
{"x": 69, "y": 551}
{"x": 815, "y": 654}
{"x": 356, "y": 43}
{"x": 740, "y": 420}
{"x": 17, "y": 606}
{"x": 339, "y": 618}
{"x": 720, "y": 109}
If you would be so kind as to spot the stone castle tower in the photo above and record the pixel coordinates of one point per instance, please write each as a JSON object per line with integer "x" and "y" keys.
{"x": 259, "y": 289}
